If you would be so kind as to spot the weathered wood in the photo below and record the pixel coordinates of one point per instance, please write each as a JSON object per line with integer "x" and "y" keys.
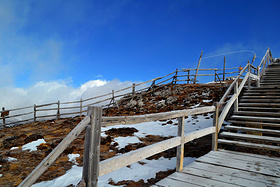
{"x": 197, "y": 67}
{"x": 107, "y": 121}
{"x": 215, "y": 124}
{"x": 180, "y": 148}
{"x": 225, "y": 110}
{"x": 250, "y": 137}
{"x": 224, "y": 70}
{"x": 81, "y": 107}
{"x": 4, "y": 120}
{"x": 240, "y": 174}
{"x": 95, "y": 114}
{"x": 169, "y": 182}
{"x": 248, "y": 129}
{"x": 86, "y": 153}
{"x": 58, "y": 110}
{"x": 237, "y": 93}
{"x": 249, "y": 78}
{"x": 45, "y": 164}
{"x": 117, "y": 162}
{"x": 34, "y": 112}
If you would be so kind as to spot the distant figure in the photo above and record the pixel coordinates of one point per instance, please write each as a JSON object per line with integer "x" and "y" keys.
{"x": 240, "y": 68}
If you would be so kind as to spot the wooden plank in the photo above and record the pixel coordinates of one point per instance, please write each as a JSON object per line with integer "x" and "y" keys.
{"x": 262, "y": 114}
{"x": 199, "y": 180}
{"x": 117, "y": 162}
{"x": 154, "y": 117}
{"x": 219, "y": 175}
{"x": 250, "y": 137}
{"x": 45, "y": 164}
{"x": 251, "y": 118}
{"x": 277, "y": 159}
{"x": 250, "y": 145}
{"x": 234, "y": 173}
{"x": 241, "y": 165}
{"x": 169, "y": 182}
{"x": 262, "y": 161}
{"x": 247, "y": 129}
{"x": 197, "y": 67}
{"x": 180, "y": 148}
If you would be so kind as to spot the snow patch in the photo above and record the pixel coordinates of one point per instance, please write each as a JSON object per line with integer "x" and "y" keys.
{"x": 13, "y": 148}
{"x": 32, "y": 146}
{"x": 72, "y": 157}
{"x": 11, "y": 159}
{"x": 123, "y": 141}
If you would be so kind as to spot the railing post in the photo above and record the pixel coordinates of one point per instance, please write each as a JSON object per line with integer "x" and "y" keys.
{"x": 236, "y": 92}
{"x": 58, "y": 112}
{"x": 180, "y": 148}
{"x": 3, "y": 115}
{"x": 188, "y": 81}
{"x": 133, "y": 89}
{"x": 194, "y": 81}
{"x": 215, "y": 124}
{"x": 34, "y": 112}
{"x": 92, "y": 151}
{"x": 215, "y": 76}
{"x": 249, "y": 78}
{"x": 224, "y": 70}
{"x": 259, "y": 76}
{"x": 81, "y": 107}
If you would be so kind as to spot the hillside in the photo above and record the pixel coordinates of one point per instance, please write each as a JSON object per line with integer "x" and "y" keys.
{"x": 17, "y": 161}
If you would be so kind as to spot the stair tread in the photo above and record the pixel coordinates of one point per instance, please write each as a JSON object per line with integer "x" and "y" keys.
{"x": 254, "y": 123}
{"x": 251, "y": 118}
{"x": 250, "y": 136}
{"x": 251, "y": 145}
{"x": 251, "y": 129}
{"x": 276, "y": 114}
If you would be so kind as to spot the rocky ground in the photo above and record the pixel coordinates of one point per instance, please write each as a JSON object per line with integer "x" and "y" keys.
{"x": 160, "y": 99}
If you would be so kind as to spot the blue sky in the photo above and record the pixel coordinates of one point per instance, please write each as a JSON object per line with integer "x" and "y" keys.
{"x": 136, "y": 40}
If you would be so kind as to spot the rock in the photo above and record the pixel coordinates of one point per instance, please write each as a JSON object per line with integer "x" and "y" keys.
{"x": 170, "y": 100}
{"x": 132, "y": 103}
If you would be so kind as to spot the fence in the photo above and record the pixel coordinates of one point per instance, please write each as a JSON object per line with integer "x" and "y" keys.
{"x": 63, "y": 109}
{"x": 93, "y": 168}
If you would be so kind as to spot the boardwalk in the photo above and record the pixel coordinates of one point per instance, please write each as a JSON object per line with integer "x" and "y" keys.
{"x": 227, "y": 168}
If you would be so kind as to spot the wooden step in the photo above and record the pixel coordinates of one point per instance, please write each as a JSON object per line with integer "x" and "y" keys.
{"x": 261, "y": 94}
{"x": 259, "y": 104}
{"x": 248, "y": 129}
{"x": 253, "y": 109}
{"x": 254, "y": 118}
{"x": 262, "y": 114}
{"x": 250, "y": 137}
{"x": 260, "y": 89}
{"x": 260, "y": 100}
{"x": 250, "y": 145}
{"x": 260, "y": 97}
{"x": 275, "y": 125}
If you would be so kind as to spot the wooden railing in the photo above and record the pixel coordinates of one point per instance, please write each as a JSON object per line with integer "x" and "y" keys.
{"x": 92, "y": 168}
{"x": 251, "y": 72}
{"x": 63, "y": 109}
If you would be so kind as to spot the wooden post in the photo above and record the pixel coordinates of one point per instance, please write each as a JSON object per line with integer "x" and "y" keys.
{"x": 86, "y": 153}
{"x": 3, "y": 115}
{"x": 254, "y": 57}
{"x": 215, "y": 124}
{"x": 236, "y": 92}
{"x": 249, "y": 78}
{"x": 91, "y": 172}
{"x": 81, "y": 107}
{"x": 215, "y": 80}
{"x": 133, "y": 89}
{"x": 194, "y": 81}
{"x": 34, "y": 112}
{"x": 224, "y": 70}
{"x": 188, "y": 77}
{"x": 180, "y": 148}
{"x": 259, "y": 76}
{"x": 175, "y": 77}
{"x": 58, "y": 112}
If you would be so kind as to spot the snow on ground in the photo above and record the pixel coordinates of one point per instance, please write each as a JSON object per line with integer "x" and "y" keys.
{"x": 13, "y": 148}
{"x": 136, "y": 171}
{"x": 32, "y": 146}
{"x": 11, "y": 159}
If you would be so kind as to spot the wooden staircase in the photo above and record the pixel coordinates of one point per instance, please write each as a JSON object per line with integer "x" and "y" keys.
{"x": 256, "y": 124}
